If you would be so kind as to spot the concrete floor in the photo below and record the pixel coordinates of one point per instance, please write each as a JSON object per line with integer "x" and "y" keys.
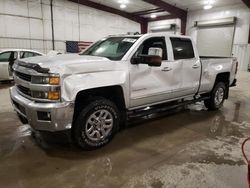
{"x": 185, "y": 148}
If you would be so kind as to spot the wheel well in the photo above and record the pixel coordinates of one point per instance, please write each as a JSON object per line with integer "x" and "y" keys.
{"x": 113, "y": 93}
{"x": 223, "y": 77}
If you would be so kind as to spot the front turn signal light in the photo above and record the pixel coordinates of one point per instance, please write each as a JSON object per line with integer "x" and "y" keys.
{"x": 53, "y": 95}
{"x": 54, "y": 80}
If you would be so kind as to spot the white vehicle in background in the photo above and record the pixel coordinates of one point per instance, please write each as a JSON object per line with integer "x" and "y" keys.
{"x": 7, "y": 58}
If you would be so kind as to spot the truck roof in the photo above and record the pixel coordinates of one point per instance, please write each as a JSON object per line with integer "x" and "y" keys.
{"x": 151, "y": 34}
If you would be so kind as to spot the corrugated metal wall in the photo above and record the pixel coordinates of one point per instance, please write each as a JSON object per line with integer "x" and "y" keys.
{"x": 240, "y": 42}
{"x": 27, "y": 24}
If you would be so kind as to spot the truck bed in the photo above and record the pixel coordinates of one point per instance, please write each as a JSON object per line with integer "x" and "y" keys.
{"x": 213, "y": 65}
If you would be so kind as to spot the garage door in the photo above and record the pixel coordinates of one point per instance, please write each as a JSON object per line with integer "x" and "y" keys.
{"x": 169, "y": 29}
{"x": 215, "y": 39}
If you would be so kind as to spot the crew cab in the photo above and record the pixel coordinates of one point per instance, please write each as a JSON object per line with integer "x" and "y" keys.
{"x": 7, "y": 58}
{"x": 93, "y": 93}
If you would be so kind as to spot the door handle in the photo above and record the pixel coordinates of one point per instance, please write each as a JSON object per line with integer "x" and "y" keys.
{"x": 165, "y": 69}
{"x": 195, "y": 66}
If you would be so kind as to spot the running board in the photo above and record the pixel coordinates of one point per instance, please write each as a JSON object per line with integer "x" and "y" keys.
{"x": 161, "y": 108}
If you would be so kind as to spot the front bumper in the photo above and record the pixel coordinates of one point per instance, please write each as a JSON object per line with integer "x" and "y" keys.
{"x": 60, "y": 113}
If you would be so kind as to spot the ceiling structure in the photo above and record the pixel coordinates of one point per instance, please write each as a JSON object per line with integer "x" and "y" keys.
{"x": 198, "y": 4}
{"x": 144, "y": 11}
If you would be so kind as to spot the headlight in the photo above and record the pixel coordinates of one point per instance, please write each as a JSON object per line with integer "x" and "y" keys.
{"x": 51, "y": 85}
{"x": 52, "y": 80}
{"x": 51, "y": 95}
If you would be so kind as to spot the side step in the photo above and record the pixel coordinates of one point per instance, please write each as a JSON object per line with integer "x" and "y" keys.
{"x": 161, "y": 108}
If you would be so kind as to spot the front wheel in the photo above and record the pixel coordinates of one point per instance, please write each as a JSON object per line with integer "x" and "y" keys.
{"x": 217, "y": 97}
{"x": 96, "y": 124}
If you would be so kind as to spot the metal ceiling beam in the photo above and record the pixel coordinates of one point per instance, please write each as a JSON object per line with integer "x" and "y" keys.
{"x": 105, "y": 8}
{"x": 173, "y": 10}
{"x": 130, "y": 16}
{"x": 168, "y": 7}
{"x": 165, "y": 17}
{"x": 247, "y": 2}
{"x": 150, "y": 11}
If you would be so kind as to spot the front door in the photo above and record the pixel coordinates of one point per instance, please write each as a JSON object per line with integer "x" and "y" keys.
{"x": 150, "y": 85}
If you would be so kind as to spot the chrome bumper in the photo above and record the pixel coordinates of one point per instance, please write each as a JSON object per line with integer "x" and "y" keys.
{"x": 60, "y": 113}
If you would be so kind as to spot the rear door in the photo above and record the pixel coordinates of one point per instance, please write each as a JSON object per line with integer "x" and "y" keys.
{"x": 189, "y": 67}
{"x": 7, "y": 59}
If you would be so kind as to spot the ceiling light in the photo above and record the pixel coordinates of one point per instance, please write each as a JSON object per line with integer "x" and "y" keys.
{"x": 209, "y": 2}
{"x": 123, "y": 1}
{"x": 122, "y": 6}
{"x": 206, "y": 7}
{"x": 153, "y": 16}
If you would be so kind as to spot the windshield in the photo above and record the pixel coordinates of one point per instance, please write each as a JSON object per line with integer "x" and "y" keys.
{"x": 113, "y": 48}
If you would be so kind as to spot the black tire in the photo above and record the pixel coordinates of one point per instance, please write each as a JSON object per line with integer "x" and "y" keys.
{"x": 213, "y": 103}
{"x": 81, "y": 137}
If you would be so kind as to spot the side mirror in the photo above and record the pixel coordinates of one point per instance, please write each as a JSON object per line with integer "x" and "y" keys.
{"x": 153, "y": 58}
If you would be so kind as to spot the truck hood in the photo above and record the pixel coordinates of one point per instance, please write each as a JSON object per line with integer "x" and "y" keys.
{"x": 74, "y": 63}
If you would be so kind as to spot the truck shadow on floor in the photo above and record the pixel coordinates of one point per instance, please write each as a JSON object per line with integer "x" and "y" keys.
{"x": 205, "y": 123}
{"x": 6, "y": 84}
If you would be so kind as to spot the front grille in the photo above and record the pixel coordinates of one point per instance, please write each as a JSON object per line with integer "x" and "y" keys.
{"x": 24, "y": 90}
{"x": 23, "y": 76}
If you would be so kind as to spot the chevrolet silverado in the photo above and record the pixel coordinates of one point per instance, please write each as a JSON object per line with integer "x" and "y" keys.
{"x": 93, "y": 93}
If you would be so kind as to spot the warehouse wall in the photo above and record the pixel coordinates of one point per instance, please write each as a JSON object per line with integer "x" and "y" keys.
{"x": 240, "y": 43}
{"x": 27, "y": 24}
{"x": 241, "y": 48}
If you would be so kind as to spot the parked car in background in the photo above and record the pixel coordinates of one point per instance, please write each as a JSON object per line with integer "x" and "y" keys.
{"x": 7, "y": 58}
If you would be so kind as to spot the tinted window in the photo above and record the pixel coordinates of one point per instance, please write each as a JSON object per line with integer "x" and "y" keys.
{"x": 36, "y": 54}
{"x": 26, "y": 54}
{"x": 4, "y": 57}
{"x": 183, "y": 48}
{"x": 8, "y": 56}
{"x": 155, "y": 42}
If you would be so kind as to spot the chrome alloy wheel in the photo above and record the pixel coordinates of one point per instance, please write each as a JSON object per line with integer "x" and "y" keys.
{"x": 219, "y": 96}
{"x": 99, "y": 125}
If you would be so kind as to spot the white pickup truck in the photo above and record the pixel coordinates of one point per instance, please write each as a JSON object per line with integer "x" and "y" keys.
{"x": 118, "y": 77}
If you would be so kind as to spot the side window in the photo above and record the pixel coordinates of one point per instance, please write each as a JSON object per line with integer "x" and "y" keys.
{"x": 26, "y": 54}
{"x": 182, "y": 48}
{"x": 36, "y": 54}
{"x": 157, "y": 42}
{"x": 5, "y": 56}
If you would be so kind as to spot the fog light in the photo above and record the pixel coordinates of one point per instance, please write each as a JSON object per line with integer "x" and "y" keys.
{"x": 54, "y": 80}
{"x": 53, "y": 95}
{"x": 44, "y": 116}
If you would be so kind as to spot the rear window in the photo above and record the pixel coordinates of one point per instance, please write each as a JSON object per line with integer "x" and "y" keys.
{"x": 182, "y": 48}
{"x": 28, "y": 54}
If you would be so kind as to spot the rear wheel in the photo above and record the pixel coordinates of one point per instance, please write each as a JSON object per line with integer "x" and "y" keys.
{"x": 217, "y": 97}
{"x": 96, "y": 124}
